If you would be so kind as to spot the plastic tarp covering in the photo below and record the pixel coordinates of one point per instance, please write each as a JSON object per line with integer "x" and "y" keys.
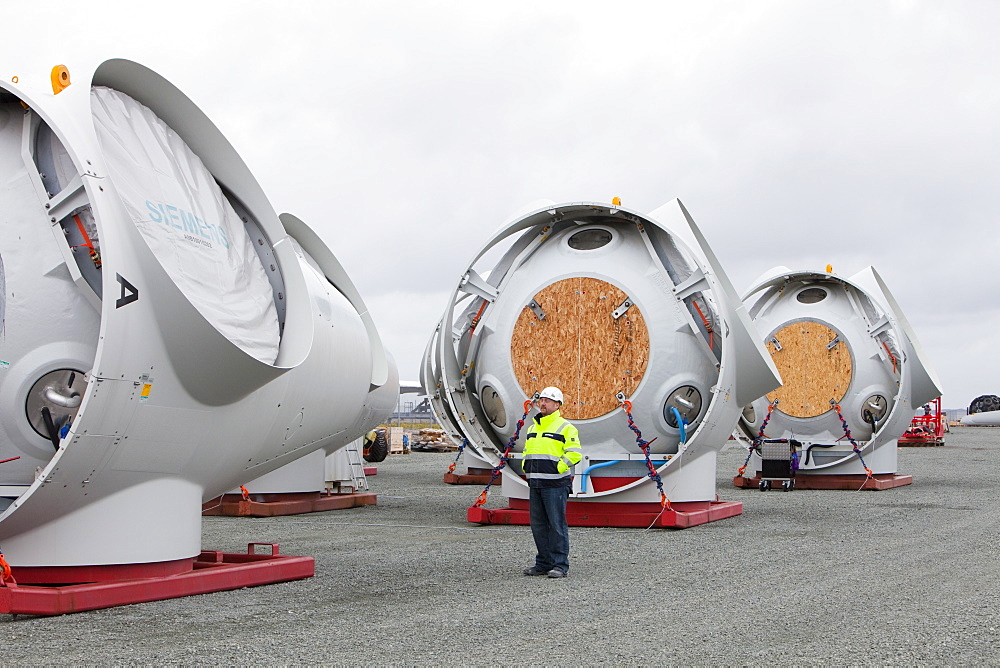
{"x": 187, "y": 222}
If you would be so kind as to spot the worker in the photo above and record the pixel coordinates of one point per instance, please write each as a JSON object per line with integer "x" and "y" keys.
{"x": 551, "y": 449}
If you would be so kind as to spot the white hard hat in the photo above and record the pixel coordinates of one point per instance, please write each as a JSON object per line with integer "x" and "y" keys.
{"x": 553, "y": 393}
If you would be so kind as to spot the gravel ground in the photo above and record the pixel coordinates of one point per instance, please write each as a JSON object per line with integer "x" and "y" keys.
{"x": 900, "y": 577}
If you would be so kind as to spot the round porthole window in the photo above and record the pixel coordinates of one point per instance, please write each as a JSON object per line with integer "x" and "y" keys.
{"x": 687, "y": 400}
{"x": 874, "y": 408}
{"x": 493, "y": 407}
{"x": 811, "y": 295}
{"x": 590, "y": 239}
{"x": 54, "y": 400}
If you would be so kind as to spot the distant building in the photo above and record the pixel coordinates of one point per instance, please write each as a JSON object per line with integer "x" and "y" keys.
{"x": 413, "y": 408}
{"x": 954, "y": 414}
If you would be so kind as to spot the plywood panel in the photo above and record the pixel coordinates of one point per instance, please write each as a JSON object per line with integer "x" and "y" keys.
{"x": 812, "y": 372}
{"x": 580, "y": 347}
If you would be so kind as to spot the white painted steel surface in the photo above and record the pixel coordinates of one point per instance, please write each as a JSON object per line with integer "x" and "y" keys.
{"x": 649, "y": 262}
{"x": 172, "y": 412}
{"x": 887, "y": 362}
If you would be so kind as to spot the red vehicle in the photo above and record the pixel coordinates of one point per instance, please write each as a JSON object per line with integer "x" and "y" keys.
{"x": 926, "y": 429}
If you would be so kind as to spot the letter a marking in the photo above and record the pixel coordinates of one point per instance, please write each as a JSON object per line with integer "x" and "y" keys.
{"x": 129, "y": 292}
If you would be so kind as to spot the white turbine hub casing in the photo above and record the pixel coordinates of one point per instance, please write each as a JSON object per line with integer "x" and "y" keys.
{"x": 161, "y": 393}
{"x": 599, "y": 300}
{"x": 837, "y": 342}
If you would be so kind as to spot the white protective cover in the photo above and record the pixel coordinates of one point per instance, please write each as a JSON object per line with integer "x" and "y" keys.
{"x": 187, "y": 222}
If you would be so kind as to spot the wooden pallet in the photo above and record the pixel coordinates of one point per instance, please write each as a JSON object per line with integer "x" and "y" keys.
{"x": 396, "y": 446}
{"x": 433, "y": 446}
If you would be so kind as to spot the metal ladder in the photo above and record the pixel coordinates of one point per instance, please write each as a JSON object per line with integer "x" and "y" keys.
{"x": 357, "y": 466}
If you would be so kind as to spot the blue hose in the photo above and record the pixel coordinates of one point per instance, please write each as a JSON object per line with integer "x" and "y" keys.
{"x": 586, "y": 472}
{"x": 680, "y": 424}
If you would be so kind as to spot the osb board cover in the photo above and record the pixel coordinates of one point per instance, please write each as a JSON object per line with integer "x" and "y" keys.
{"x": 580, "y": 347}
{"x": 812, "y": 373}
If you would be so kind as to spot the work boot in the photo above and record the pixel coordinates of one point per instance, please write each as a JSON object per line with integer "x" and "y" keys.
{"x": 533, "y": 570}
{"x": 556, "y": 573}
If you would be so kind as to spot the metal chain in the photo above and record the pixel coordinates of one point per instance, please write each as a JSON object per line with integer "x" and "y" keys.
{"x": 854, "y": 444}
{"x": 760, "y": 437}
{"x": 5, "y": 572}
{"x": 644, "y": 445}
{"x": 461, "y": 449}
{"x": 504, "y": 457}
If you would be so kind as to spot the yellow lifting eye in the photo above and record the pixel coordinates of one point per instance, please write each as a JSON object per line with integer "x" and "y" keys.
{"x": 617, "y": 201}
{"x": 60, "y": 78}
{"x": 829, "y": 268}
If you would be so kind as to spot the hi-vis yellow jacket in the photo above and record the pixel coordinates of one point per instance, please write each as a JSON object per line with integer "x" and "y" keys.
{"x": 551, "y": 449}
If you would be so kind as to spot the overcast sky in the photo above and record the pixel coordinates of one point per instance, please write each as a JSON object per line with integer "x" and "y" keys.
{"x": 796, "y": 133}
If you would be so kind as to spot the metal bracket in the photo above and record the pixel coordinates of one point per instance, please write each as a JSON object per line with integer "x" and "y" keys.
{"x": 69, "y": 199}
{"x": 777, "y": 345}
{"x": 537, "y": 309}
{"x": 474, "y": 284}
{"x": 879, "y": 326}
{"x": 622, "y": 308}
{"x": 696, "y": 282}
{"x": 832, "y": 344}
{"x": 683, "y": 403}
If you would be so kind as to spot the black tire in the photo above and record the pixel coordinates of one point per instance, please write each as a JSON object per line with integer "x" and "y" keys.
{"x": 378, "y": 450}
{"x": 984, "y": 404}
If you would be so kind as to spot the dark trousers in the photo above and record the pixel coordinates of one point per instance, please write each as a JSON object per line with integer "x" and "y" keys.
{"x": 547, "y": 511}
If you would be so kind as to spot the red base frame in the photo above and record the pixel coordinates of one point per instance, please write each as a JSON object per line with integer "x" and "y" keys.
{"x": 291, "y": 503}
{"x": 877, "y": 482}
{"x": 609, "y": 514}
{"x": 920, "y": 441}
{"x": 211, "y": 571}
{"x": 472, "y": 477}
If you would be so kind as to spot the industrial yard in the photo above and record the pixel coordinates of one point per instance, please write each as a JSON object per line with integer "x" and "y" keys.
{"x": 214, "y": 300}
{"x": 899, "y": 577}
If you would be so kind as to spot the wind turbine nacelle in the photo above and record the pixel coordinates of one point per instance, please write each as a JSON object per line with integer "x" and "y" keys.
{"x": 312, "y": 473}
{"x": 847, "y": 356}
{"x": 606, "y": 304}
{"x": 166, "y": 336}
